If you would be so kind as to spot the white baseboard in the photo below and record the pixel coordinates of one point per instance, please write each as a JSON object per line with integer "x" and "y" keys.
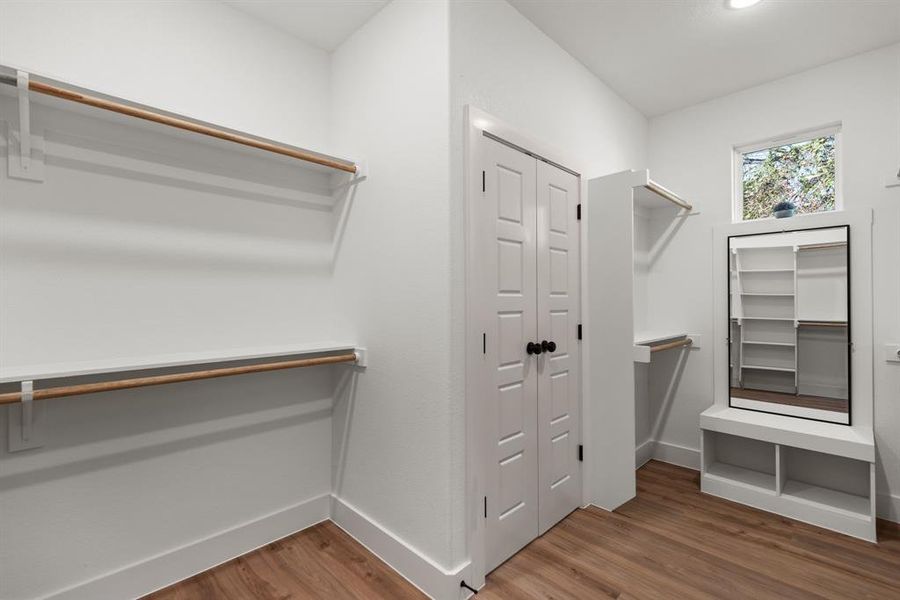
{"x": 439, "y": 583}
{"x": 677, "y": 455}
{"x": 667, "y": 453}
{"x": 430, "y": 577}
{"x": 888, "y": 507}
{"x": 644, "y": 453}
{"x": 172, "y": 566}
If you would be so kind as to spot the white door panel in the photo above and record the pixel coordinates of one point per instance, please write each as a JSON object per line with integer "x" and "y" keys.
{"x": 528, "y": 240}
{"x": 510, "y": 275}
{"x": 559, "y": 418}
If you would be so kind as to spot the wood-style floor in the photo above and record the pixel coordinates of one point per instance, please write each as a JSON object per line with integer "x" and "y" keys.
{"x": 672, "y": 542}
{"x": 669, "y": 543}
{"x": 319, "y": 562}
{"x": 804, "y": 400}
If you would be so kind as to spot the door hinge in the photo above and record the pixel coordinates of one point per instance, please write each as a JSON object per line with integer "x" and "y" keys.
{"x": 578, "y": 212}
{"x": 483, "y": 183}
{"x": 579, "y": 331}
{"x": 580, "y": 453}
{"x": 485, "y": 507}
{"x": 484, "y": 343}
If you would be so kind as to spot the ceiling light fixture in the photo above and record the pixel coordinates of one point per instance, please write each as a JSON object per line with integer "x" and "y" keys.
{"x": 736, "y": 4}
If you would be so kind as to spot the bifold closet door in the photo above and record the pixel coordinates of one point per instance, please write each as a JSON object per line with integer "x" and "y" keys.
{"x": 558, "y": 276}
{"x": 508, "y": 219}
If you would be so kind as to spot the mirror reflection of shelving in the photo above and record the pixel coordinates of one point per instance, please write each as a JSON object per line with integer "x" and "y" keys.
{"x": 789, "y": 333}
{"x": 822, "y": 333}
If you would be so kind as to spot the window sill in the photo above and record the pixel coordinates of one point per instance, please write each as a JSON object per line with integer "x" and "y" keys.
{"x": 800, "y": 216}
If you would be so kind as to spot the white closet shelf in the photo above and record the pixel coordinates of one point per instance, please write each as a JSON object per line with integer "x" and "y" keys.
{"x": 765, "y": 294}
{"x": 857, "y": 441}
{"x": 66, "y": 96}
{"x": 648, "y": 194}
{"x": 644, "y": 341}
{"x": 823, "y": 498}
{"x": 764, "y": 368}
{"x": 823, "y": 246}
{"x": 746, "y": 477}
{"x": 654, "y": 195}
{"x": 775, "y": 490}
{"x": 766, "y": 270}
{"x": 763, "y": 318}
{"x": 775, "y": 344}
{"x": 98, "y": 367}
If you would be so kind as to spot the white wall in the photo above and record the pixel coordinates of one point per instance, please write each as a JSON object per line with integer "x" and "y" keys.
{"x": 504, "y": 65}
{"x": 135, "y": 245}
{"x": 398, "y": 458}
{"x": 200, "y": 59}
{"x": 691, "y": 152}
{"x": 400, "y": 435}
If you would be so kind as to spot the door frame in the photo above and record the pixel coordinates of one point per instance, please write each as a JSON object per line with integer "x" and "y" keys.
{"x": 477, "y": 123}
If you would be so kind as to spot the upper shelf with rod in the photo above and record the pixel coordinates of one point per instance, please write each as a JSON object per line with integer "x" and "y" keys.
{"x": 26, "y": 82}
{"x": 649, "y": 194}
{"x": 167, "y": 361}
{"x": 646, "y": 344}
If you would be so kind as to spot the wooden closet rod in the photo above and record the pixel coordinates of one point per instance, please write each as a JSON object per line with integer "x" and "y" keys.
{"x": 822, "y": 323}
{"x": 124, "y": 384}
{"x": 149, "y": 115}
{"x": 661, "y": 347}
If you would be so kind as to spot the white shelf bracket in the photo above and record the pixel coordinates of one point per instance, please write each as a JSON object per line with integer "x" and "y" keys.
{"x": 362, "y": 170}
{"x": 26, "y": 421}
{"x": 26, "y": 149}
{"x": 362, "y": 357}
{"x": 24, "y": 120}
{"x": 27, "y": 409}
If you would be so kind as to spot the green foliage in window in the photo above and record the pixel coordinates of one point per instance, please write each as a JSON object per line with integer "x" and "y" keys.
{"x": 802, "y": 173}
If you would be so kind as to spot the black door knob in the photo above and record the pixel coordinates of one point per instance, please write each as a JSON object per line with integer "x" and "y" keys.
{"x": 548, "y": 346}
{"x": 533, "y": 348}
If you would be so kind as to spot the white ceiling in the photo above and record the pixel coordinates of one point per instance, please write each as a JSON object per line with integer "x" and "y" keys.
{"x": 322, "y": 23}
{"x": 661, "y": 55}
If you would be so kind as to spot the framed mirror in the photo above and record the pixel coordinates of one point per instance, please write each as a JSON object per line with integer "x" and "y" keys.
{"x": 789, "y": 323}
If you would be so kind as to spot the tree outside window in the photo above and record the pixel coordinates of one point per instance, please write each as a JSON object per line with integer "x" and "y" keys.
{"x": 802, "y": 173}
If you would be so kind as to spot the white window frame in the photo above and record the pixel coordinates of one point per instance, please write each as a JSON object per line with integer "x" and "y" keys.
{"x": 737, "y": 203}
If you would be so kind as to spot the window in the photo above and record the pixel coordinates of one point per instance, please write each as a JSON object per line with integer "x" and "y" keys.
{"x": 801, "y": 169}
